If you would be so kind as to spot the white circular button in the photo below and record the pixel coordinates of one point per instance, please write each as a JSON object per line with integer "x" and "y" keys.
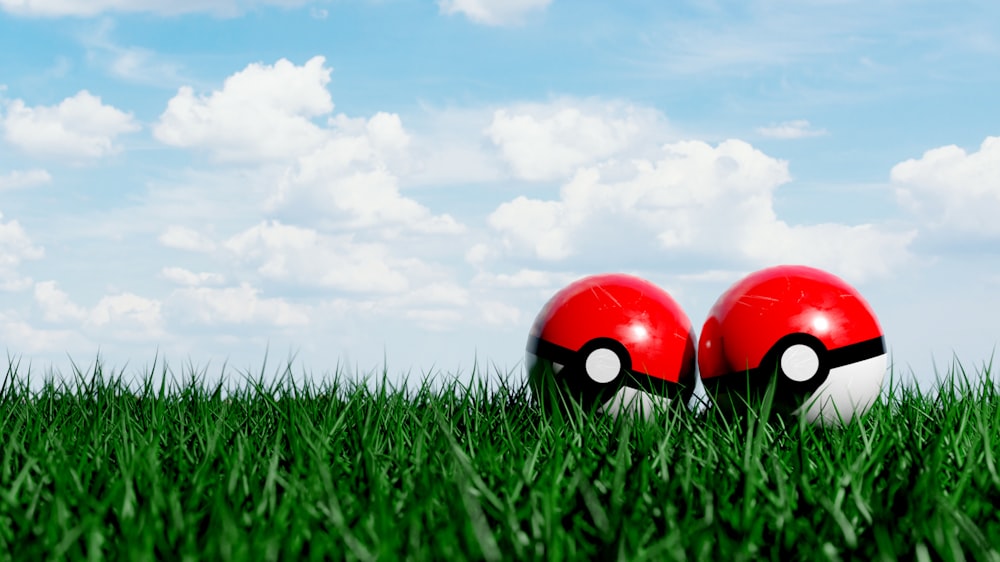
{"x": 603, "y": 365}
{"x": 800, "y": 362}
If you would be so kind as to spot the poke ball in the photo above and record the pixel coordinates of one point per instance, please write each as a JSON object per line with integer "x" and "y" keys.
{"x": 806, "y": 330}
{"x": 612, "y": 343}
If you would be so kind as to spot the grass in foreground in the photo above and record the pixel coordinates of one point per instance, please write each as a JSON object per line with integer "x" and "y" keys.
{"x": 338, "y": 471}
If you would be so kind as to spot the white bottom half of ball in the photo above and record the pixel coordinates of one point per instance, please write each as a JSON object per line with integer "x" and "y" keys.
{"x": 848, "y": 391}
{"x": 632, "y": 401}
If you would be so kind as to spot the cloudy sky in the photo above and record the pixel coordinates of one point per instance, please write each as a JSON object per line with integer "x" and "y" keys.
{"x": 355, "y": 181}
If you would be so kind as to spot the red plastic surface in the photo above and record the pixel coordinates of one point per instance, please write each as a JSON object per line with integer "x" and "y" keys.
{"x": 763, "y": 307}
{"x": 638, "y": 314}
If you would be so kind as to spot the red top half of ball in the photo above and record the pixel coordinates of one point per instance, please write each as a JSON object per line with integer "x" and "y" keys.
{"x": 767, "y": 305}
{"x": 638, "y": 314}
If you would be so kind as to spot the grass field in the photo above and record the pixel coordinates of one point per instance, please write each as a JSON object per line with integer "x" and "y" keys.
{"x": 292, "y": 471}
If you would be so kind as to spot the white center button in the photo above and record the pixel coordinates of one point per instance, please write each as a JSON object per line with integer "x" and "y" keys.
{"x": 800, "y": 362}
{"x": 603, "y": 365}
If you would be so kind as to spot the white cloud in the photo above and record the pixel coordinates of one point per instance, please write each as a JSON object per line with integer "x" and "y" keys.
{"x": 493, "y": 12}
{"x": 79, "y": 127}
{"x": 549, "y": 141}
{"x": 128, "y": 316}
{"x": 25, "y": 338}
{"x": 434, "y": 302}
{"x": 56, "y": 304}
{"x": 125, "y": 309}
{"x": 693, "y": 200}
{"x": 478, "y": 254}
{"x": 263, "y": 112}
{"x": 94, "y": 7}
{"x": 15, "y": 247}
{"x": 853, "y": 252}
{"x": 952, "y": 188}
{"x": 341, "y": 173}
{"x": 189, "y": 278}
{"x": 798, "y": 129}
{"x": 522, "y": 279}
{"x": 712, "y": 276}
{"x": 439, "y": 293}
{"x": 135, "y": 64}
{"x": 435, "y": 319}
{"x": 304, "y": 256}
{"x": 348, "y": 180}
{"x": 500, "y": 314}
{"x": 450, "y": 148}
{"x": 385, "y": 130}
{"x": 10, "y": 282}
{"x": 538, "y": 226}
{"x": 238, "y": 305}
{"x": 184, "y": 238}
{"x": 28, "y": 178}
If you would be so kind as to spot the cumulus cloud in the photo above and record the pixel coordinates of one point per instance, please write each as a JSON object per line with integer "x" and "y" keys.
{"x": 478, "y": 254}
{"x": 130, "y": 316}
{"x": 340, "y": 172}
{"x": 15, "y": 247}
{"x": 184, "y": 238}
{"x": 497, "y": 313}
{"x": 55, "y": 303}
{"x": 127, "y": 308}
{"x": 437, "y": 293}
{"x": 712, "y": 276}
{"x": 238, "y": 305}
{"x": 522, "y": 279}
{"x": 433, "y": 303}
{"x": 798, "y": 129}
{"x": 22, "y": 336}
{"x": 79, "y": 127}
{"x": 855, "y": 252}
{"x": 952, "y": 188}
{"x": 54, "y": 8}
{"x": 24, "y": 178}
{"x": 305, "y": 256}
{"x": 549, "y": 141}
{"x": 126, "y": 315}
{"x": 348, "y": 179}
{"x": 183, "y": 276}
{"x": 450, "y": 148}
{"x": 263, "y": 112}
{"x": 434, "y": 319}
{"x": 692, "y": 200}
{"x": 493, "y": 12}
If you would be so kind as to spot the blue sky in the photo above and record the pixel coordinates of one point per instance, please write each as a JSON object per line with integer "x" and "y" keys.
{"x": 355, "y": 180}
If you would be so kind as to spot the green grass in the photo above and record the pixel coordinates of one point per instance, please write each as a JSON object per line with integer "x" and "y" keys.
{"x": 289, "y": 471}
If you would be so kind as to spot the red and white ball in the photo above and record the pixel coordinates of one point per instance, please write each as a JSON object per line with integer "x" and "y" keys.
{"x": 612, "y": 342}
{"x": 805, "y": 329}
